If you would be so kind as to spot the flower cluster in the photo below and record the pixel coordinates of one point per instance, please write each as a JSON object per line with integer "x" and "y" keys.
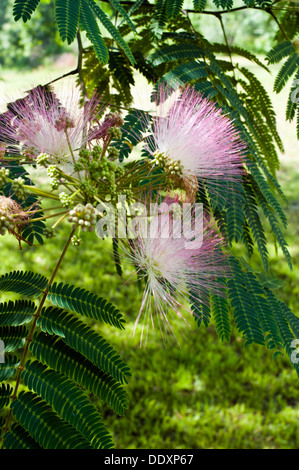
{"x": 45, "y": 125}
{"x": 6, "y": 222}
{"x": 194, "y": 140}
{"x": 4, "y": 173}
{"x": 18, "y": 187}
{"x": 172, "y": 264}
{"x": 189, "y": 141}
{"x": 83, "y": 216}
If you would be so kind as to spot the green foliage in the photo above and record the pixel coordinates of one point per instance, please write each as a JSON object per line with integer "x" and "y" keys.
{"x": 112, "y": 29}
{"x": 89, "y": 24}
{"x": 67, "y": 17}
{"x": 287, "y": 50}
{"x": 16, "y": 313}
{"x": 24, "y": 9}
{"x": 85, "y": 303}
{"x": 258, "y": 315}
{"x": 25, "y": 283}
{"x": 70, "y": 360}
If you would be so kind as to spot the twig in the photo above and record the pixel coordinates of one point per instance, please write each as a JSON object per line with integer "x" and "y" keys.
{"x": 31, "y": 332}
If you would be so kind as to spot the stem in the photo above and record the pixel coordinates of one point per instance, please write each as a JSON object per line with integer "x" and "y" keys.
{"x": 60, "y": 220}
{"x": 31, "y": 332}
{"x": 80, "y": 63}
{"x": 40, "y": 192}
{"x": 49, "y": 216}
{"x": 75, "y": 193}
{"x": 44, "y": 210}
{"x": 226, "y": 42}
{"x": 71, "y": 151}
{"x": 70, "y": 147}
{"x": 268, "y": 10}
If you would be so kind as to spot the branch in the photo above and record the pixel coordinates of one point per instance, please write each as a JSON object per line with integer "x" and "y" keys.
{"x": 226, "y": 42}
{"x": 77, "y": 70}
{"x": 204, "y": 12}
{"x": 30, "y": 335}
{"x": 268, "y": 10}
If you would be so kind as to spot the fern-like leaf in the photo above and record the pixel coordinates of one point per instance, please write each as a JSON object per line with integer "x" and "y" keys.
{"x": 173, "y": 8}
{"x": 176, "y": 52}
{"x": 186, "y": 72}
{"x": 53, "y": 352}
{"x": 220, "y": 311}
{"x": 89, "y": 24}
{"x": 5, "y": 392}
{"x": 68, "y": 401}
{"x": 243, "y": 308}
{"x": 112, "y": 30}
{"x": 199, "y": 4}
{"x": 67, "y": 14}
{"x": 85, "y": 303}
{"x": 43, "y": 424}
{"x": 24, "y": 9}
{"x": 13, "y": 337}
{"x": 287, "y": 70}
{"x": 9, "y": 367}
{"x": 26, "y": 283}
{"x": 118, "y": 7}
{"x": 279, "y": 52}
{"x": 18, "y": 438}
{"x": 84, "y": 340}
{"x": 16, "y": 313}
{"x": 254, "y": 222}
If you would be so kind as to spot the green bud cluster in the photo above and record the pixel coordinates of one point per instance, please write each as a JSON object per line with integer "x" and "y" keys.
{"x": 53, "y": 171}
{"x": 76, "y": 241}
{"x": 79, "y": 166}
{"x": 113, "y": 153}
{"x": 65, "y": 200}
{"x": 6, "y": 222}
{"x": 55, "y": 183}
{"x": 4, "y": 174}
{"x": 97, "y": 152}
{"x": 88, "y": 189}
{"x": 115, "y": 132}
{"x": 43, "y": 159}
{"x": 18, "y": 188}
{"x": 119, "y": 171}
{"x": 49, "y": 233}
{"x": 29, "y": 153}
{"x": 83, "y": 216}
{"x": 84, "y": 154}
{"x": 174, "y": 168}
{"x": 106, "y": 172}
{"x": 116, "y": 117}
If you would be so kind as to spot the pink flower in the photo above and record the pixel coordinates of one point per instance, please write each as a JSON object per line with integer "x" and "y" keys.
{"x": 176, "y": 261}
{"x": 42, "y": 124}
{"x": 192, "y": 138}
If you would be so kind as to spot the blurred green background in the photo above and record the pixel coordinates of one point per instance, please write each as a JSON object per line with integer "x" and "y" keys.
{"x": 203, "y": 394}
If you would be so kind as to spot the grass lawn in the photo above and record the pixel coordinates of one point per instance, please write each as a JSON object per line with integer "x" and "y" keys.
{"x": 204, "y": 394}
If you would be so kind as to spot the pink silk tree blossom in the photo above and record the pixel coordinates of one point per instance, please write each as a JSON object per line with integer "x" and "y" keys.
{"x": 192, "y": 138}
{"x": 175, "y": 268}
{"x": 43, "y": 124}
